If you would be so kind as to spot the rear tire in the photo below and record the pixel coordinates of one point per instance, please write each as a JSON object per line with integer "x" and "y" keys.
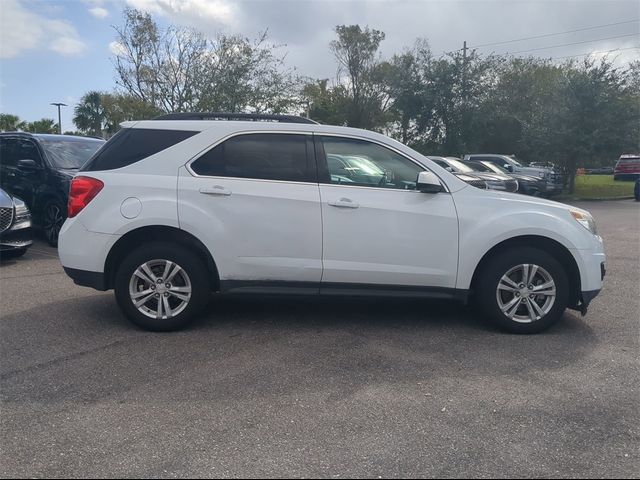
{"x": 162, "y": 286}
{"x": 523, "y": 290}
{"x": 54, "y": 215}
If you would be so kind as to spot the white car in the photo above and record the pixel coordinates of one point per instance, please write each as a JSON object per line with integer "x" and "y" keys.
{"x": 172, "y": 209}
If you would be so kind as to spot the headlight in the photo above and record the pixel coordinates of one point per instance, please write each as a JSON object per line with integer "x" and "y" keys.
{"x": 586, "y": 220}
{"x": 22, "y": 211}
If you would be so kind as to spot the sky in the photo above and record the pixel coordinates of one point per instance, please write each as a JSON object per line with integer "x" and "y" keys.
{"x": 57, "y": 50}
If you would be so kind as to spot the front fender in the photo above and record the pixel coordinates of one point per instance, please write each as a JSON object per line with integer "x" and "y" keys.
{"x": 503, "y": 218}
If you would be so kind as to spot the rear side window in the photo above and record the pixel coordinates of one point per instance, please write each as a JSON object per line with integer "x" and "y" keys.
{"x": 130, "y": 145}
{"x": 267, "y": 156}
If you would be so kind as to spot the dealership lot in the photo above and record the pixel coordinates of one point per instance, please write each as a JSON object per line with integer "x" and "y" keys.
{"x": 318, "y": 387}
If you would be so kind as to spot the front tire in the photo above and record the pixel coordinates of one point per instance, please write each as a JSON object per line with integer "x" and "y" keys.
{"x": 523, "y": 290}
{"x": 162, "y": 286}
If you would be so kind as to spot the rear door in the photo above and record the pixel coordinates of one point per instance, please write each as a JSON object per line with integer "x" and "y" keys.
{"x": 254, "y": 201}
{"x": 378, "y": 230}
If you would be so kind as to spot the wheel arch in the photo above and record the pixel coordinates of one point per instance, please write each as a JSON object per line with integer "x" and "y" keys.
{"x": 546, "y": 244}
{"x": 146, "y": 234}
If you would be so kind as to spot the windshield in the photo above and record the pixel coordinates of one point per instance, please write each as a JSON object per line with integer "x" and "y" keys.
{"x": 490, "y": 167}
{"x": 514, "y": 160}
{"x": 458, "y": 166}
{"x": 70, "y": 154}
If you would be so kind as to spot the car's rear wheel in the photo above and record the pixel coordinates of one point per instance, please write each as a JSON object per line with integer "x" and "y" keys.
{"x": 161, "y": 286}
{"x": 523, "y": 290}
{"x": 54, "y": 216}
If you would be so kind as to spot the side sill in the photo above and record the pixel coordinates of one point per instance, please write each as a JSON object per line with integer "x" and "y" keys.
{"x": 257, "y": 287}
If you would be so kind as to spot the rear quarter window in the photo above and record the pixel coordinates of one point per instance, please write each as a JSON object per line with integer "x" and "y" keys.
{"x": 130, "y": 145}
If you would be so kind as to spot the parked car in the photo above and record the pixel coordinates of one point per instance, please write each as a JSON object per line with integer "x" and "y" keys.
{"x": 627, "y": 168}
{"x": 15, "y": 226}
{"x": 172, "y": 209}
{"x": 38, "y": 169}
{"x": 494, "y": 181}
{"x": 552, "y": 178}
{"x": 527, "y": 184}
{"x": 636, "y": 190}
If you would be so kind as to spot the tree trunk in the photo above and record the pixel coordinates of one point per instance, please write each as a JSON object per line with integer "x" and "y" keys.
{"x": 571, "y": 169}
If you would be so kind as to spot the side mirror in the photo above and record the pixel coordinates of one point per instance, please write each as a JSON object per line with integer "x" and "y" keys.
{"x": 428, "y": 182}
{"x": 508, "y": 167}
{"x": 28, "y": 165}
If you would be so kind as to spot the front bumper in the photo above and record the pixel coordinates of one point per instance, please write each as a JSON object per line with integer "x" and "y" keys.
{"x": 85, "y": 278}
{"x": 592, "y": 267}
{"x": 17, "y": 237}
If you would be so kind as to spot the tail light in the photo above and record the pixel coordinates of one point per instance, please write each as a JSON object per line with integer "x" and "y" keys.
{"x": 81, "y": 192}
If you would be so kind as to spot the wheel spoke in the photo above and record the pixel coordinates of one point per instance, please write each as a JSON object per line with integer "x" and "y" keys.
{"x": 532, "y": 314}
{"x": 507, "y": 284}
{"x": 143, "y": 300}
{"x": 510, "y": 308}
{"x": 167, "y": 308}
{"x": 532, "y": 274}
{"x": 182, "y": 297}
{"x": 159, "y": 309}
{"x": 525, "y": 273}
{"x": 536, "y": 307}
{"x": 137, "y": 295}
{"x": 547, "y": 288}
{"x": 143, "y": 276}
{"x": 167, "y": 268}
{"x": 149, "y": 273}
{"x": 173, "y": 273}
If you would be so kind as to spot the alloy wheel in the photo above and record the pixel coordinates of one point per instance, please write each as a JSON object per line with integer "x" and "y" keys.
{"x": 526, "y": 293}
{"x": 160, "y": 289}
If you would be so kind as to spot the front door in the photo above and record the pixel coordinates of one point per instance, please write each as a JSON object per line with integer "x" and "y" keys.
{"x": 377, "y": 228}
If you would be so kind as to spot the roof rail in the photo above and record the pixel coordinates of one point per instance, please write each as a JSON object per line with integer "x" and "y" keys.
{"x": 256, "y": 117}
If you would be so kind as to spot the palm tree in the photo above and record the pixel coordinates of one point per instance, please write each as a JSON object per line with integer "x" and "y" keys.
{"x": 89, "y": 114}
{"x": 44, "y": 125}
{"x": 10, "y": 123}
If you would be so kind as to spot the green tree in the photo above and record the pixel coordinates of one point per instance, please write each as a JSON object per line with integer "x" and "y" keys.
{"x": 10, "y": 123}
{"x": 44, "y": 125}
{"x": 178, "y": 69}
{"x": 364, "y": 75}
{"x": 89, "y": 115}
{"x": 119, "y": 107}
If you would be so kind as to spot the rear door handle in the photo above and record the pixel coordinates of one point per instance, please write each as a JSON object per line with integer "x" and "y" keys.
{"x": 344, "y": 203}
{"x": 216, "y": 190}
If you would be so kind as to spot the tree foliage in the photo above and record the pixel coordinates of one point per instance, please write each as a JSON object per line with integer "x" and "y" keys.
{"x": 178, "y": 69}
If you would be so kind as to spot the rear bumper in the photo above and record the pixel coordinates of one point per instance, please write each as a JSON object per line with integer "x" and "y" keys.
{"x": 84, "y": 278}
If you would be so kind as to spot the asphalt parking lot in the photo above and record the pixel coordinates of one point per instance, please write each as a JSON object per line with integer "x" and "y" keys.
{"x": 316, "y": 387}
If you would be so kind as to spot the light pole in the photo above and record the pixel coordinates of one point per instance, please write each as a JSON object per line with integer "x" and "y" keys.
{"x": 59, "y": 120}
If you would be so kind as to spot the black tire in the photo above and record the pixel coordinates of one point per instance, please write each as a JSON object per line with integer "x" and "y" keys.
{"x": 486, "y": 291}
{"x": 53, "y": 216}
{"x": 191, "y": 265}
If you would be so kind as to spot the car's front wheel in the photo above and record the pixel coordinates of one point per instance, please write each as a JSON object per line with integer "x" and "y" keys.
{"x": 161, "y": 286}
{"x": 523, "y": 290}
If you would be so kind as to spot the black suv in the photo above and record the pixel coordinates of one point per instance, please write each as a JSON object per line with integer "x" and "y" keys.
{"x": 37, "y": 168}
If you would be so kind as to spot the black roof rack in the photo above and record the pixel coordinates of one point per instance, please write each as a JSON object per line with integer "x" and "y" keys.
{"x": 256, "y": 117}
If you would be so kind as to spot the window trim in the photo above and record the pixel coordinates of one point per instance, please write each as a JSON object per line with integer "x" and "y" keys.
{"x": 312, "y": 161}
{"x": 323, "y": 167}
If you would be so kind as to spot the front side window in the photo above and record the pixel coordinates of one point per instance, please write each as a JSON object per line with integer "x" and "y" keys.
{"x": 360, "y": 163}
{"x": 265, "y": 156}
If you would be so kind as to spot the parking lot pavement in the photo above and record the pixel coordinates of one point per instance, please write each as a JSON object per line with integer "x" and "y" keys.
{"x": 317, "y": 387}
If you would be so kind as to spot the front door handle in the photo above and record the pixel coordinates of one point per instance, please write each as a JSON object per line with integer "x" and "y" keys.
{"x": 344, "y": 203}
{"x": 216, "y": 190}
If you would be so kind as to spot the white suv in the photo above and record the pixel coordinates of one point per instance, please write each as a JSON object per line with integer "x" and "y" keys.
{"x": 172, "y": 209}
